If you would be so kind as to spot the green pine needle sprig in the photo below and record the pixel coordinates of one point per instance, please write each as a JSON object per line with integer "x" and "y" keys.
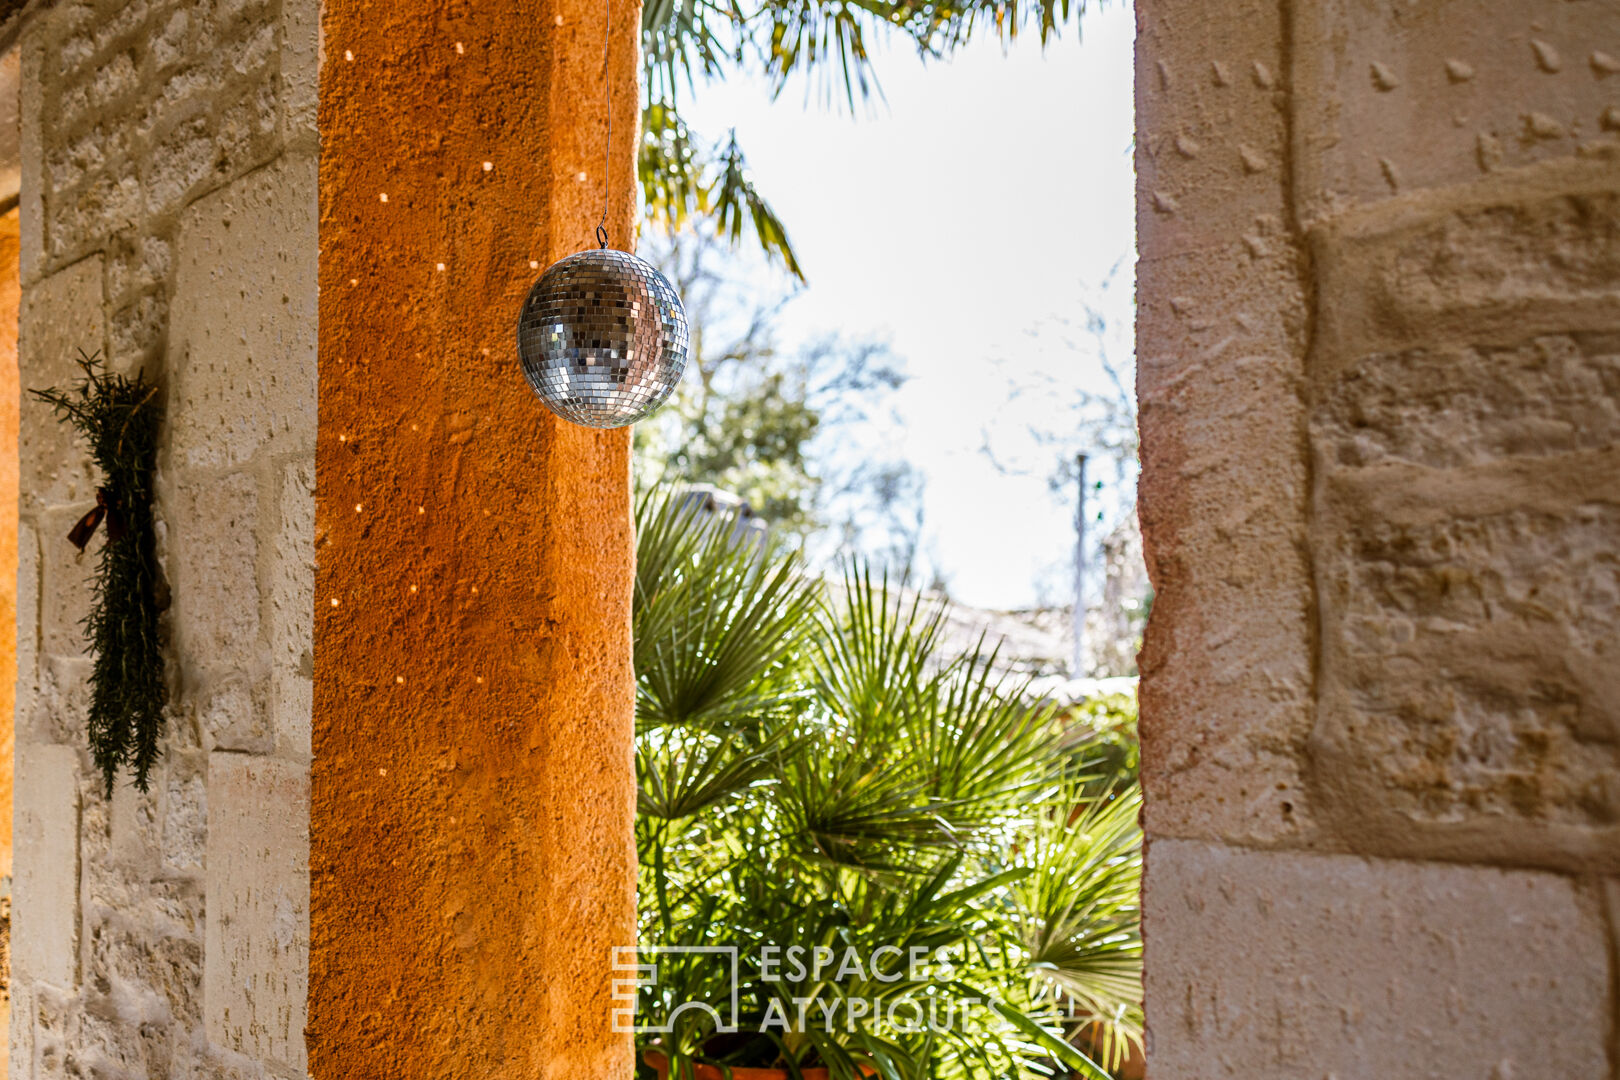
{"x": 121, "y": 419}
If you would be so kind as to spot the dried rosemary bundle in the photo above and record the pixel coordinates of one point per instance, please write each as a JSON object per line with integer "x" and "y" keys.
{"x": 120, "y": 417}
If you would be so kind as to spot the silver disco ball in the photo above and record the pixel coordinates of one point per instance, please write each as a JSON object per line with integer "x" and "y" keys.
{"x": 602, "y": 338}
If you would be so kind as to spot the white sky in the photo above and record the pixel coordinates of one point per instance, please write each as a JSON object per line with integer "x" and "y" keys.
{"x": 962, "y": 220}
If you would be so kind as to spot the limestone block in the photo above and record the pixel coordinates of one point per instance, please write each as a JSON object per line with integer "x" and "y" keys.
{"x": 136, "y": 265}
{"x": 45, "y": 883}
{"x": 295, "y": 703}
{"x": 300, "y": 72}
{"x": 1221, "y": 324}
{"x": 185, "y": 821}
{"x": 68, "y": 580}
{"x": 244, "y": 318}
{"x": 1499, "y": 262}
{"x": 140, "y": 955}
{"x": 1226, "y": 665}
{"x": 1211, "y": 133}
{"x": 135, "y": 825}
{"x": 60, "y": 315}
{"x": 213, "y": 570}
{"x": 135, "y": 334}
{"x": 56, "y": 1031}
{"x": 28, "y": 583}
{"x": 292, "y": 608}
{"x": 1466, "y": 430}
{"x": 1457, "y": 404}
{"x": 1277, "y": 965}
{"x": 1397, "y": 98}
{"x": 256, "y": 973}
{"x": 76, "y": 220}
{"x": 31, "y": 207}
{"x": 20, "y": 1040}
{"x": 1469, "y": 679}
{"x": 234, "y": 714}
{"x": 60, "y": 710}
{"x": 99, "y": 91}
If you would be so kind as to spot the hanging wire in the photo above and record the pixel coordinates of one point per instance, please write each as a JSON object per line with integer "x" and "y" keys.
{"x": 607, "y": 153}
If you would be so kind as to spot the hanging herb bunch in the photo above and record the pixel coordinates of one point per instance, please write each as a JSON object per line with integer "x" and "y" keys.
{"x": 120, "y": 418}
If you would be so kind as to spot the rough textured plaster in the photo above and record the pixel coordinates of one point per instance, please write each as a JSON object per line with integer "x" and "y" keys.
{"x": 472, "y": 797}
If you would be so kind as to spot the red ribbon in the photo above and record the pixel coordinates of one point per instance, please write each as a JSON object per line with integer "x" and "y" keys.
{"x": 86, "y": 528}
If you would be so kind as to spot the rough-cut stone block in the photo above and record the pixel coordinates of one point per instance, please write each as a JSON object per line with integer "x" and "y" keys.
{"x": 140, "y": 954}
{"x": 68, "y": 579}
{"x": 56, "y": 1031}
{"x": 60, "y": 710}
{"x": 300, "y": 72}
{"x": 1211, "y": 146}
{"x": 20, "y": 1040}
{"x": 234, "y": 715}
{"x": 60, "y": 317}
{"x": 1457, "y": 404}
{"x": 28, "y": 635}
{"x": 1395, "y": 97}
{"x": 292, "y": 609}
{"x": 1273, "y": 965}
{"x": 1226, "y": 667}
{"x": 256, "y": 973}
{"x": 1470, "y": 694}
{"x": 31, "y": 207}
{"x": 45, "y": 884}
{"x": 244, "y": 318}
{"x": 213, "y": 567}
{"x": 1465, "y": 426}
{"x": 1499, "y": 263}
{"x": 185, "y": 821}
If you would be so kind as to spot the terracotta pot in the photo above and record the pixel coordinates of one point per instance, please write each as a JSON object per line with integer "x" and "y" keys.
{"x": 700, "y": 1071}
{"x": 1089, "y": 1041}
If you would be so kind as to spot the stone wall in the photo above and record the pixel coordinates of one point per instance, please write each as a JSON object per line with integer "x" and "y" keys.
{"x": 1379, "y": 347}
{"x": 168, "y": 222}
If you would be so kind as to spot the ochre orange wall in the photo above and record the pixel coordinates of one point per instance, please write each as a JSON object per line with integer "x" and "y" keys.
{"x": 471, "y": 854}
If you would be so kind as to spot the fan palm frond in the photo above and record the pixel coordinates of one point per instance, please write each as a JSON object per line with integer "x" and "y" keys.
{"x": 718, "y": 616}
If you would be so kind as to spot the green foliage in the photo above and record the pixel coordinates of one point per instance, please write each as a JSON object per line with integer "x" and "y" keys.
{"x": 683, "y": 181}
{"x": 1113, "y": 745}
{"x": 818, "y": 770}
{"x": 827, "y": 41}
{"x": 120, "y": 418}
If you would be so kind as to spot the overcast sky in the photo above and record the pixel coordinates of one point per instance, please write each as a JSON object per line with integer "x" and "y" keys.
{"x": 966, "y": 221}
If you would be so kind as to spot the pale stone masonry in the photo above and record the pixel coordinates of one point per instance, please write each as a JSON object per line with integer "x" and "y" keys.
{"x": 1379, "y": 346}
{"x": 169, "y": 222}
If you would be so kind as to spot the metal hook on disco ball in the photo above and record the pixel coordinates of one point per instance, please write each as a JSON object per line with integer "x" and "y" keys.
{"x": 603, "y": 336}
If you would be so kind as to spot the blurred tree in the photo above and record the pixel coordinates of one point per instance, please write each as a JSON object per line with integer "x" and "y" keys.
{"x": 1062, "y": 416}
{"x": 789, "y": 432}
{"x": 685, "y": 177}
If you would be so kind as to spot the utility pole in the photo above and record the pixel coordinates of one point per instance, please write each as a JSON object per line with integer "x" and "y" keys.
{"x": 1077, "y": 666}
